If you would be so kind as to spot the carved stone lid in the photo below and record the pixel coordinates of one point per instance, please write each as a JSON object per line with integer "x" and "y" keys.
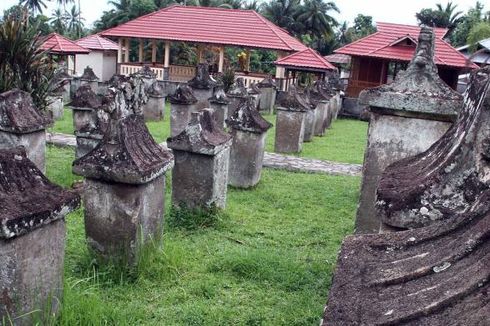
{"x": 156, "y": 90}
{"x": 202, "y": 80}
{"x": 435, "y": 275}
{"x": 28, "y": 200}
{"x": 18, "y": 113}
{"x": 418, "y": 91}
{"x": 238, "y": 89}
{"x": 85, "y": 98}
{"x": 219, "y": 96}
{"x": 202, "y": 135}
{"x": 127, "y": 153}
{"x": 314, "y": 95}
{"x": 267, "y": 82}
{"x": 450, "y": 175}
{"x": 183, "y": 95}
{"x": 248, "y": 118}
{"x": 254, "y": 89}
{"x": 88, "y": 75}
{"x": 324, "y": 89}
{"x": 291, "y": 101}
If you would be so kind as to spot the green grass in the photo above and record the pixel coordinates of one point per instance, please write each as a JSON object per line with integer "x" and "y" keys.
{"x": 269, "y": 261}
{"x": 343, "y": 142}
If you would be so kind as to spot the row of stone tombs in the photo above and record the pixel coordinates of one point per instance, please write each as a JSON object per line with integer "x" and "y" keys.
{"x": 124, "y": 166}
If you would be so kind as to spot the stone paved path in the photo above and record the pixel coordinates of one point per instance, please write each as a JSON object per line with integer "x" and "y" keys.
{"x": 271, "y": 160}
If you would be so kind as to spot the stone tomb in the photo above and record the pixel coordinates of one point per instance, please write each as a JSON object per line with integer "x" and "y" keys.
{"x": 154, "y": 109}
{"x": 248, "y": 129}
{"x": 201, "y": 153}
{"x": 21, "y": 124}
{"x": 290, "y": 122}
{"x": 182, "y": 105}
{"x": 406, "y": 118}
{"x": 310, "y": 117}
{"x": 321, "y": 112}
{"x": 219, "y": 104}
{"x": 450, "y": 176}
{"x": 202, "y": 85}
{"x": 89, "y": 78}
{"x": 254, "y": 92}
{"x": 267, "y": 98}
{"x": 89, "y": 120}
{"x": 32, "y": 240}
{"x": 236, "y": 94}
{"x": 125, "y": 180}
{"x": 437, "y": 273}
{"x": 327, "y": 94}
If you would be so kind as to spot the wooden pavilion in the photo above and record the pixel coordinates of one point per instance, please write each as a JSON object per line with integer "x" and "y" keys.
{"x": 212, "y": 29}
{"x": 377, "y": 58}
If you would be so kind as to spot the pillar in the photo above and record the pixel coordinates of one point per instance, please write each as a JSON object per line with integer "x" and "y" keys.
{"x": 120, "y": 50}
{"x": 141, "y": 51}
{"x": 153, "y": 51}
{"x": 166, "y": 61}
{"x": 221, "y": 59}
{"x": 126, "y": 52}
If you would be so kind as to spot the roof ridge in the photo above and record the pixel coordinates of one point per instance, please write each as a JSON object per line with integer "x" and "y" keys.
{"x": 266, "y": 22}
{"x": 446, "y": 30}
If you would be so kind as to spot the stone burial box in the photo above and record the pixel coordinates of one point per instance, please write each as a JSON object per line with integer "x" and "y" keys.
{"x": 237, "y": 93}
{"x": 248, "y": 129}
{"x": 154, "y": 109}
{"x": 182, "y": 105}
{"x": 447, "y": 178}
{"x": 254, "y": 92}
{"x": 310, "y": 117}
{"x": 21, "y": 124}
{"x": 124, "y": 188}
{"x": 200, "y": 174}
{"x": 202, "y": 86}
{"x": 437, "y": 273}
{"x": 290, "y": 121}
{"x": 268, "y": 91}
{"x": 219, "y": 104}
{"x": 32, "y": 240}
{"x": 326, "y": 93}
{"x": 89, "y": 120}
{"x": 89, "y": 78}
{"x": 323, "y": 118}
{"x": 406, "y": 118}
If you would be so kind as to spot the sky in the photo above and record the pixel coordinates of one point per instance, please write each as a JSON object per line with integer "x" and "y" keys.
{"x": 392, "y": 11}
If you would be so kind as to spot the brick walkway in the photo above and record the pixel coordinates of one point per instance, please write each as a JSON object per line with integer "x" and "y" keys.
{"x": 271, "y": 160}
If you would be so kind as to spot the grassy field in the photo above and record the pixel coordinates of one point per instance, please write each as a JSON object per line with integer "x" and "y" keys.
{"x": 344, "y": 142}
{"x": 269, "y": 260}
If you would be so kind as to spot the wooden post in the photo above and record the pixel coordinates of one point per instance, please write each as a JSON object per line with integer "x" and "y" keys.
{"x": 247, "y": 64}
{"x": 120, "y": 50}
{"x": 126, "y": 53}
{"x": 141, "y": 57}
{"x": 221, "y": 59}
{"x": 166, "y": 61}
{"x": 153, "y": 51}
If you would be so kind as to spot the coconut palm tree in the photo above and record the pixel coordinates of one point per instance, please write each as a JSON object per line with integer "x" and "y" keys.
{"x": 34, "y": 6}
{"x": 282, "y": 12}
{"x": 74, "y": 22}
{"x": 58, "y": 21}
{"x": 315, "y": 18}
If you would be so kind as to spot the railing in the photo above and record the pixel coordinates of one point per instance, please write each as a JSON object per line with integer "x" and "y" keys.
{"x": 250, "y": 78}
{"x": 181, "y": 73}
{"x": 131, "y": 68}
{"x": 356, "y": 86}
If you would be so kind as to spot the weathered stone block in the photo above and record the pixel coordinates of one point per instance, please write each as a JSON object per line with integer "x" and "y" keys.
{"x": 56, "y": 106}
{"x": 267, "y": 98}
{"x": 21, "y": 124}
{"x": 236, "y": 95}
{"x": 201, "y": 163}
{"x": 34, "y": 144}
{"x": 120, "y": 218}
{"x": 320, "y": 113}
{"x": 154, "y": 109}
{"x": 202, "y": 85}
{"x": 248, "y": 129}
{"x": 407, "y": 117}
{"x": 219, "y": 105}
{"x": 182, "y": 105}
{"x": 89, "y": 78}
{"x": 125, "y": 178}
{"x": 290, "y": 131}
{"x": 290, "y": 121}
{"x": 310, "y": 121}
{"x": 32, "y": 240}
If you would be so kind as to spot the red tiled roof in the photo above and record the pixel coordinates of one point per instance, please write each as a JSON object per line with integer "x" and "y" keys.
{"x": 208, "y": 25}
{"x": 57, "y": 44}
{"x": 307, "y": 58}
{"x": 383, "y": 44}
{"x": 97, "y": 42}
